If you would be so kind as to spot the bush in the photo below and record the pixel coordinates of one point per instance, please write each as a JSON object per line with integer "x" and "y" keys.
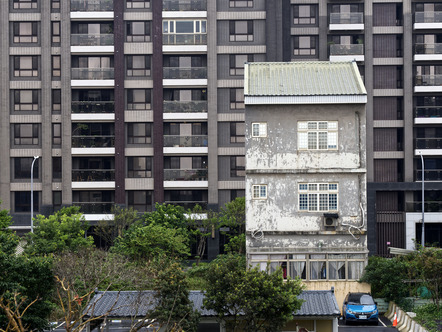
{"x": 430, "y": 317}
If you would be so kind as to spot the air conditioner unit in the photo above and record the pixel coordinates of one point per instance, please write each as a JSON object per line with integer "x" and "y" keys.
{"x": 331, "y": 219}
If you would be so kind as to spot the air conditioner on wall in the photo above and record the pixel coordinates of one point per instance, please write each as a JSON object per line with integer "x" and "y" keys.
{"x": 331, "y": 219}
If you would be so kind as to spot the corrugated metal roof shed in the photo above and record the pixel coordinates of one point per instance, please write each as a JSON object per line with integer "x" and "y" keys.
{"x": 318, "y": 78}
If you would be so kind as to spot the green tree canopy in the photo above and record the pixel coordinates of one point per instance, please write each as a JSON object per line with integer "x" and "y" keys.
{"x": 233, "y": 216}
{"x": 64, "y": 230}
{"x": 252, "y": 300}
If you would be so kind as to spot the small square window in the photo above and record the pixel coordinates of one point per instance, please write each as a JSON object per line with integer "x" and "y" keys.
{"x": 259, "y": 191}
{"x": 259, "y": 129}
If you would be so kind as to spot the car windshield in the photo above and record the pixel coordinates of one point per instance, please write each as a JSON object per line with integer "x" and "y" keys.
{"x": 363, "y": 299}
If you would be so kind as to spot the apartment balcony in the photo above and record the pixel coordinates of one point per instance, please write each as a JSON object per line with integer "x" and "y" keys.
{"x": 94, "y": 208}
{"x": 428, "y": 146}
{"x": 185, "y": 145}
{"x": 93, "y": 175}
{"x": 92, "y": 77}
{"x": 193, "y": 5}
{"x": 185, "y": 39}
{"x": 428, "y": 20}
{"x": 430, "y": 175}
{"x": 93, "y": 141}
{"x": 428, "y": 115}
{"x": 92, "y": 5}
{"x": 185, "y": 174}
{"x": 185, "y": 110}
{"x": 182, "y": 77}
{"x": 96, "y": 106}
{"x": 347, "y": 52}
{"x": 428, "y": 83}
{"x": 425, "y": 52}
{"x": 346, "y": 21}
{"x": 430, "y": 206}
{"x": 92, "y": 40}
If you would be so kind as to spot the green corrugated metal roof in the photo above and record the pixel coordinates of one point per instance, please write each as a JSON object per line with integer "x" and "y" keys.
{"x": 319, "y": 78}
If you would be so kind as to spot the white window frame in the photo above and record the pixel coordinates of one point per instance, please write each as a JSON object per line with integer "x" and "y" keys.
{"x": 318, "y": 197}
{"x": 259, "y": 129}
{"x": 318, "y": 135}
{"x": 259, "y": 191}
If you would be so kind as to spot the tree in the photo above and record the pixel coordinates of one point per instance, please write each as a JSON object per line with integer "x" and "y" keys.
{"x": 386, "y": 277}
{"x": 110, "y": 229}
{"x": 25, "y": 282}
{"x": 233, "y": 216}
{"x": 167, "y": 215}
{"x": 174, "y": 310}
{"x": 14, "y": 312}
{"x": 64, "y": 230}
{"x": 151, "y": 241}
{"x": 249, "y": 299}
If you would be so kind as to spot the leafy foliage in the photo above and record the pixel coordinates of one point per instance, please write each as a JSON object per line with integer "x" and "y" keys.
{"x": 151, "y": 241}
{"x": 233, "y": 216}
{"x": 64, "y": 230}
{"x": 167, "y": 215}
{"x": 254, "y": 300}
{"x": 430, "y": 316}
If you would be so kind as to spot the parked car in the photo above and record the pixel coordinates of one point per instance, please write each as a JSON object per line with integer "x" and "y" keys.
{"x": 360, "y": 307}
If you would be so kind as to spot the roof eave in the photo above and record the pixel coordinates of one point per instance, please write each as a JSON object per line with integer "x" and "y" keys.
{"x": 290, "y": 100}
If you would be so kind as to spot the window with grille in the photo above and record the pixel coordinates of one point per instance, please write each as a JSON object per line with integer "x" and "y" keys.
{"x": 318, "y": 135}
{"x": 318, "y": 197}
{"x": 259, "y": 129}
{"x": 259, "y": 191}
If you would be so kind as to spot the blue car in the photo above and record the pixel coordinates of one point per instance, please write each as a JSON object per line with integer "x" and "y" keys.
{"x": 360, "y": 307}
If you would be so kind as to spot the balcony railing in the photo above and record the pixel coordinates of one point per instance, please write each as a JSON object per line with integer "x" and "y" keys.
{"x": 169, "y": 5}
{"x": 428, "y": 143}
{"x": 92, "y": 40}
{"x": 92, "y": 5}
{"x": 93, "y": 175}
{"x": 93, "y": 141}
{"x": 185, "y": 141}
{"x": 92, "y": 73}
{"x": 428, "y": 17}
{"x": 428, "y": 80}
{"x": 185, "y": 73}
{"x": 196, "y": 106}
{"x": 353, "y": 49}
{"x": 430, "y": 206}
{"x": 97, "y": 106}
{"x": 189, "y": 204}
{"x": 185, "y": 174}
{"x": 185, "y": 39}
{"x": 346, "y": 18}
{"x": 94, "y": 208}
{"x": 430, "y": 175}
{"x": 428, "y": 111}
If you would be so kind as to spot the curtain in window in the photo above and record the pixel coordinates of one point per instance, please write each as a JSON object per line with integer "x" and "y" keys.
{"x": 336, "y": 270}
{"x": 355, "y": 270}
{"x": 297, "y": 269}
{"x": 317, "y": 270}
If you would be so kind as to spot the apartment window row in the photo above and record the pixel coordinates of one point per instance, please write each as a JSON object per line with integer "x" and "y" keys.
{"x": 241, "y": 31}
{"x": 337, "y": 266}
{"x": 318, "y": 135}
{"x": 29, "y": 100}
{"x": 318, "y": 197}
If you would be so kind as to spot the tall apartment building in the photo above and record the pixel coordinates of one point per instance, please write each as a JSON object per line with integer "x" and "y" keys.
{"x": 139, "y": 101}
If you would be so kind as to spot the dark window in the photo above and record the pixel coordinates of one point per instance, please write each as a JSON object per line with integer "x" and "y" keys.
{"x": 138, "y": 31}
{"x": 138, "y": 65}
{"x": 25, "y": 66}
{"x": 56, "y": 134}
{"x": 22, "y": 201}
{"x": 305, "y": 14}
{"x": 56, "y": 66}
{"x": 22, "y": 168}
{"x": 237, "y": 61}
{"x": 241, "y": 30}
{"x": 26, "y": 134}
{"x": 25, "y": 32}
{"x": 237, "y": 166}
{"x": 139, "y": 167}
{"x": 139, "y": 133}
{"x": 26, "y": 100}
{"x": 56, "y": 168}
{"x": 56, "y": 200}
{"x": 140, "y": 200}
{"x": 237, "y": 132}
{"x": 56, "y": 101}
{"x": 139, "y": 99}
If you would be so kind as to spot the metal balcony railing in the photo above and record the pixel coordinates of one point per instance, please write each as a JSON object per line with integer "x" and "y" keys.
{"x": 176, "y": 106}
{"x": 92, "y": 5}
{"x": 428, "y": 80}
{"x": 93, "y": 175}
{"x": 430, "y": 206}
{"x": 92, "y": 40}
{"x": 428, "y": 17}
{"x": 173, "y": 5}
{"x": 185, "y": 141}
{"x": 184, "y": 73}
{"x": 97, "y": 106}
{"x": 428, "y": 143}
{"x": 185, "y": 174}
{"x": 93, "y": 141}
{"x": 185, "y": 39}
{"x": 430, "y": 175}
{"x": 428, "y": 111}
{"x": 94, "y": 208}
{"x": 92, "y": 73}
{"x": 353, "y": 49}
{"x": 346, "y": 18}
